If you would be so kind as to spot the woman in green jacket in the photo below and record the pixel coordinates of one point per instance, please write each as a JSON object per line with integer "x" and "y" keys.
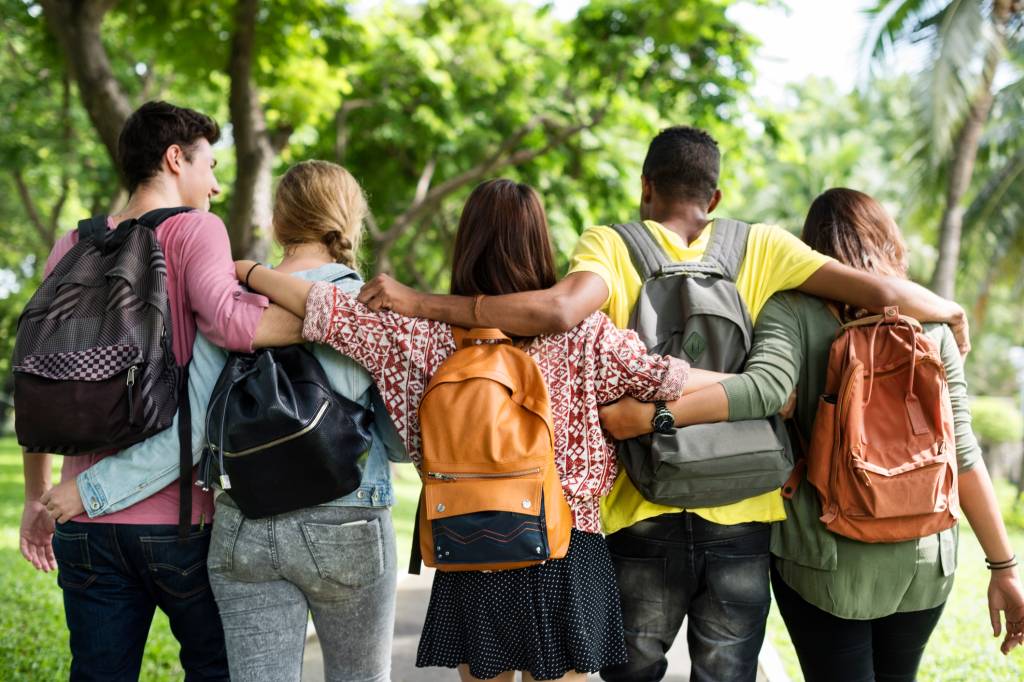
{"x": 854, "y": 610}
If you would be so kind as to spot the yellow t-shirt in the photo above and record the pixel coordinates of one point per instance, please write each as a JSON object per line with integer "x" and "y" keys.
{"x": 775, "y": 261}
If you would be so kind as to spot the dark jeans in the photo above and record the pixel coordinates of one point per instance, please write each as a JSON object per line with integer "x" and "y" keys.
{"x": 833, "y": 649}
{"x": 680, "y": 565}
{"x": 114, "y": 576}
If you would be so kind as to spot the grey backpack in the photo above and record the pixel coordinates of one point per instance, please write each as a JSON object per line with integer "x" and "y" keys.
{"x": 693, "y": 311}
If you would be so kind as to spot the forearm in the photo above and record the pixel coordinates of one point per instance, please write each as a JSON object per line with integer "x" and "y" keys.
{"x": 920, "y": 302}
{"x": 707, "y": 405}
{"x": 37, "y": 468}
{"x": 979, "y": 504}
{"x": 531, "y": 313}
{"x": 286, "y": 291}
{"x": 277, "y": 327}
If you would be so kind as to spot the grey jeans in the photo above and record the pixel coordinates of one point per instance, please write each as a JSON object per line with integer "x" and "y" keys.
{"x": 267, "y": 574}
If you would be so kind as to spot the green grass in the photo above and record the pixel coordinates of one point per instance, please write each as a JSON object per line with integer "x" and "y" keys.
{"x": 33, "y": 637}
{"x": 34, "y": 640}
{"x": 962, "y": 648}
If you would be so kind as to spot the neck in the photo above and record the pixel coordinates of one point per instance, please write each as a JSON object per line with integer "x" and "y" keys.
{"x": 686, "y": 220}
{"x": 304, "y": 257}
{"x": 147, "y": 198}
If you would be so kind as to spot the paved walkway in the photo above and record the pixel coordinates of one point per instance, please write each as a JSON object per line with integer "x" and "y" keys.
{"x": 413, "y": 595}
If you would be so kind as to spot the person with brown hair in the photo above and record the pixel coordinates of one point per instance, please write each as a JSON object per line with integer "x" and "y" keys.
{"x": 121, "y": 555}
{"x": 561, "y": 618}
{"x": 854, "y": 610}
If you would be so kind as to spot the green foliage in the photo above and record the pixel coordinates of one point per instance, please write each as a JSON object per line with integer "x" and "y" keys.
{"x": 996, "y": 420}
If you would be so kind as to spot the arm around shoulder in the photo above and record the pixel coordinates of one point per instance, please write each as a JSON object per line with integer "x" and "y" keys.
{"x": 837, "y": 282}
{"x": 528, "y": 313}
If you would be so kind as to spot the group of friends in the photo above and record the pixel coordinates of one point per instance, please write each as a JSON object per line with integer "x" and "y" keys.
{"x": 238, "y": 592}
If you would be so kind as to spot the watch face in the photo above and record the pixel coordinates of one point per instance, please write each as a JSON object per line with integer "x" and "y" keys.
{"x": 664, "y": 423}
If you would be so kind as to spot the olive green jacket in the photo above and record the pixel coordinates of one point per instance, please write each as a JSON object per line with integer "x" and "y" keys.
{"x": 844, "y": 577}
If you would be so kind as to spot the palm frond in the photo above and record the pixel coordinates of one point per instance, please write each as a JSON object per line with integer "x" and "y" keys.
{"x": 891, "y": 22}
{"x": 996, "y": 214}
{"x": 962, "y": 36}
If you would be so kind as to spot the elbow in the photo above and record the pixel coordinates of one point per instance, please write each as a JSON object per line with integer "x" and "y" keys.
{"x": 560, "y": 316}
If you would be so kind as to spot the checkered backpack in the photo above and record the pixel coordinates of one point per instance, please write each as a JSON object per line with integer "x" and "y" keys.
{"x": 93, "y": 364}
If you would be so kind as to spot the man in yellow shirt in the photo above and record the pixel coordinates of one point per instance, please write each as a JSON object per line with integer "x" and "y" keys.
{"x": 708, "y": 564}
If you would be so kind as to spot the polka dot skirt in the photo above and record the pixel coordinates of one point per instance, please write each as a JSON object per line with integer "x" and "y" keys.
{"x": 560, "y": 616}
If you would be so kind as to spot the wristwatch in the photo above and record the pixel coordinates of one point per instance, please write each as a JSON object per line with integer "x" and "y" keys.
{"x": 663, "y": 421}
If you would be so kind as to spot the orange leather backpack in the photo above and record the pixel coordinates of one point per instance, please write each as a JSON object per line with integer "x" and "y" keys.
{"x": 492, "y": 498}
{"x": 882, "y": 454}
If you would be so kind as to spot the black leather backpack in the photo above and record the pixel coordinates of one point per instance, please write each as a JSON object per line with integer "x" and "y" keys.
{"x": 279, "y": 436}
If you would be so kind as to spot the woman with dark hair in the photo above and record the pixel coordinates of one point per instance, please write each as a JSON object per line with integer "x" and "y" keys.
{"x": 561, "y": 618}
{"x": 854, "y": 610}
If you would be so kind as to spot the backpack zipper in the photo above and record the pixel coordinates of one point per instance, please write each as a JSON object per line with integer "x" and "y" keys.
{"x": 130, "y": 383}
{"x": 442, "y": 476}
{"x": 313, "y": 423}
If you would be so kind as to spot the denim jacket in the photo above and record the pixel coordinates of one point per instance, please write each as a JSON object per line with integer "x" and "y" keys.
{"x": 120, "y": 480}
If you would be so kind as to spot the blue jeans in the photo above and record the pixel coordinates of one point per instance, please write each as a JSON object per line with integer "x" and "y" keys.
{"x": 681, "y": 565}
{"x": 114, "y": 576}
{"x": 337, "y": 563}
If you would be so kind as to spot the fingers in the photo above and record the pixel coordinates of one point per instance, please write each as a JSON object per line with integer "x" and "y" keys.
{"x": 49, "y": 558}
{"x": 369, "y": 291}
{"x": 378, "y": 302}
{"x": 35, "y": 555}
{"x": 993, "y": 615}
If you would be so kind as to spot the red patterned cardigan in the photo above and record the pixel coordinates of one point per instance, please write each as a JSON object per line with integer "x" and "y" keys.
{"x": 591, "y": 364}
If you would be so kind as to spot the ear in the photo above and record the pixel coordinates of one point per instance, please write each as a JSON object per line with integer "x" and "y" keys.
{"x": 646, "y": 190}
{"x": 715, "y": 198}
{"x": 174, "y": 158}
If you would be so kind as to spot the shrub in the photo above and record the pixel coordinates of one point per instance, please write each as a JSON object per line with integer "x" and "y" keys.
{"x": 996, "y": 420}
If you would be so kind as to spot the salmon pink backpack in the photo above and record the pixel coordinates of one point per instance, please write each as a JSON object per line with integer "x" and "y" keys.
{"x": 882, "y": 454}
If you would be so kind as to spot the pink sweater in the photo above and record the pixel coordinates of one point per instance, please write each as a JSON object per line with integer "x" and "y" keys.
{"x": 203, "y": 293}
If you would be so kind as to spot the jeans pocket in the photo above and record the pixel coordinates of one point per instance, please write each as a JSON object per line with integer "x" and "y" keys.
{"x": 348, "y": 554}
{"x": 641, "y": 584}
{"x": 178, "y": 568}
{"x": 74, "y": 563}
{"x": 739, "y": 579}
{"x": 227, "y": 521}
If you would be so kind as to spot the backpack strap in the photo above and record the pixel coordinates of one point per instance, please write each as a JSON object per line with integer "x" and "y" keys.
{"x": 184, "y": 457}
{"x": 415, "y": 556}
{"x": 94, "y": 228}
{"x": 646, "y": 253}
{"x": 728, "y": 246}
{"x": 152, "y": 219}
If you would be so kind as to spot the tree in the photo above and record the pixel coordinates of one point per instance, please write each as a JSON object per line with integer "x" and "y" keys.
{"x": 967, "y": 40}
{"x": 446, "y": 94}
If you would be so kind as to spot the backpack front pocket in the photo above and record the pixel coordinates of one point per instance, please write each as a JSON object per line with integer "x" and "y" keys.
{"x": 910, "y": 489}
{"x": 92, "y": 397}
{"x": 486, "y": 518}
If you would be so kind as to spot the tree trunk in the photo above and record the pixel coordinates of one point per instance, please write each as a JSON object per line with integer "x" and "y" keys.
{"x": 76, "y": 25}
{"x": 965, "y": 152}
{"x": 249, "y": 217}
